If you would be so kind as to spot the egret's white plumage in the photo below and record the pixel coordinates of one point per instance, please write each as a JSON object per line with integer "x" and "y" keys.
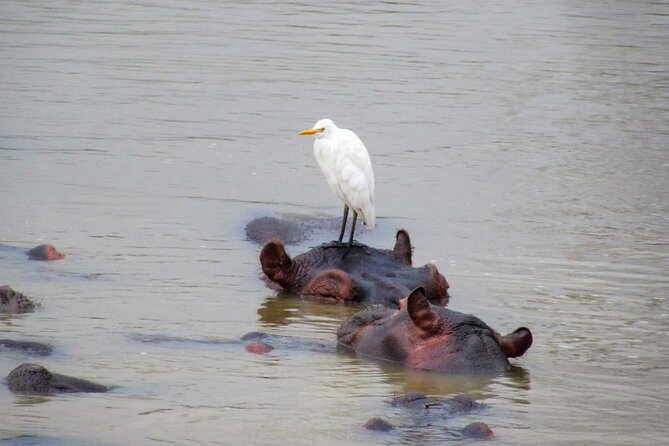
{"x": 345, "y": 163}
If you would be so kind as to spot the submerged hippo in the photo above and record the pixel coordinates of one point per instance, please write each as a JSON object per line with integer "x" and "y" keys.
{"x": 34, "y": 378}
{"x": 423, "y": 336}
{"x": 360, "y": 275}
{"x": 457, "y": 405}
{"x": 44, "y": 252}
{"x": 290, "y": 228}
{"x": 14, "y": 302}
{"x": 35, "y": 348}
{"x": 476, "y": 431}
{"x": 432, "y": 411}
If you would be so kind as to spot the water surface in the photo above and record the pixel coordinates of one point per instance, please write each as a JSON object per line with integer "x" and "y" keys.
{"x": 524, "y": 147}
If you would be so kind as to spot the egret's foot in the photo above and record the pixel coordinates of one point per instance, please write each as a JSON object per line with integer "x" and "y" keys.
{"x": 333, "y": 244}
{"x": 341, "y": 245}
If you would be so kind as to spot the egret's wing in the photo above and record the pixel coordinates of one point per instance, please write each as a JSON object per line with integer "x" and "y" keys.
{"x": 355, "y": 176}
{"x": 326, "y": 156}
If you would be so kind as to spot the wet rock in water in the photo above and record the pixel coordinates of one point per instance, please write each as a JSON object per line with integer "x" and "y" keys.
{"x": 258, "y": 348}
{"x": 35, "y": 348}
{"x": 14, "y": 302}
{"x": 479, "y": 431}
{"x": 378, "y": 424}
{"x": 34, "y": 378}
{"x": 45, "y": 252}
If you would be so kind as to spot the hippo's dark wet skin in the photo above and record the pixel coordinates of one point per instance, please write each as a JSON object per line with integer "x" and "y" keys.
{"x": 263, "y": 229}
{"x": 477, "y": 431}
{"x": 34, "y": 378}
{"x": 40, "y": 440}
{"x": 35, "y": 348}
{"x": 292, "y": 229}
{"x": 14, "y": 302}
{"x": 432, "y": 411}
{"x": 457, "y": 405}
{"x": 364, "y": 275}
{"x": 427, "y": 337}
{"x": 378, "y": 424}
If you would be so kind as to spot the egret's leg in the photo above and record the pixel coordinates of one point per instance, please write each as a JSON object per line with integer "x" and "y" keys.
{"x": 350, "y": 240}
{"x": 355, "y": 218}
{"x": 343, "y": 223}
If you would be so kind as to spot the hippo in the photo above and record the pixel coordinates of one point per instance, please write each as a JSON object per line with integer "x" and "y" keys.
{"x": 378, "y": 424}
{"x": 459, "y": 404}
{"x": 361, "y": 275}
{"x": 34, "y": 378}
{"x": 253, "y": 342}
{"x": 433, "y": 411}
{"x": 423, "y": 336}
{"x": 14, "y": 302}
{"x": 35, "y": 348}
{"x": 44, "y": 252}
{"x": 291, "y": 229}
{"x": 477, "y": 430}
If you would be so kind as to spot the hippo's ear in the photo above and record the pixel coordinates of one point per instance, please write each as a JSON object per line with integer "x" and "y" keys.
{"x": 516, "y": 343}
{"x": 420, "y": 312}
{"x": 402, "y": 249}
{"x": 274, "y": 260}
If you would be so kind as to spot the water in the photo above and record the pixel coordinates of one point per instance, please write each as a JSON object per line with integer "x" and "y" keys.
{"x": 523, "y": 146}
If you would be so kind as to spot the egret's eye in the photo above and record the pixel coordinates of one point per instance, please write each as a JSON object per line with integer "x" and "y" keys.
{"x": 322, "y": 129}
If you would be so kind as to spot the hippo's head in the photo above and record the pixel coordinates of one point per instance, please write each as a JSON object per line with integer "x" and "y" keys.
{"x": 14, "y": 302}
{"x": 362, "y": 275}
{"x": 44, "y": 252}
{"x": 35, "y": 378}
{"x": 423, "y": 336}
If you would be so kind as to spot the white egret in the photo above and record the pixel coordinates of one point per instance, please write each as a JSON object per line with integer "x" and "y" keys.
{"x": 345, "y": 163}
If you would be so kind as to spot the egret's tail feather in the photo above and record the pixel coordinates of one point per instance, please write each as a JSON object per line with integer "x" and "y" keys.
{"x": 369, "y": 221}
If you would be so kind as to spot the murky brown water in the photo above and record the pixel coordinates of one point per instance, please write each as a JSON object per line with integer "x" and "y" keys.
{"x": 524, "y": 146}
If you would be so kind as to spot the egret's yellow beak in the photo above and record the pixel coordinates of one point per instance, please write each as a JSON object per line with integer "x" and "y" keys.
{"x": 310, "y": 131}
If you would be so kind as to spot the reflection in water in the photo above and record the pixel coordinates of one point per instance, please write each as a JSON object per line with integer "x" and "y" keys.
{"x": 27, "y": 399}
{"x": 431, "y": 383}
{"x": 517, "y": 378}
{"x": 405, "y": 380}
{"x": 286, "y": 309}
